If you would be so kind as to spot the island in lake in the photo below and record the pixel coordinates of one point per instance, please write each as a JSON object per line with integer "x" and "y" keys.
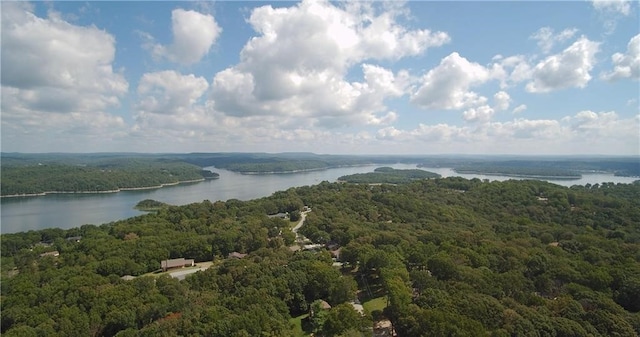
{"x": 388, "y": 175}
{"x": 150, "y": 205}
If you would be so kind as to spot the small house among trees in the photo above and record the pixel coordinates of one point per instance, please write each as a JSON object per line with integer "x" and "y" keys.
{"x": 279, "y": 215}
{"x": 176, "y": 263}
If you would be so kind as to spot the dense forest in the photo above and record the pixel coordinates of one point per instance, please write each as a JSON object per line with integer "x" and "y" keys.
{"x": 99, "y": 176}
{"x": 437, "y": 257}
{"x": 388, "y": 175}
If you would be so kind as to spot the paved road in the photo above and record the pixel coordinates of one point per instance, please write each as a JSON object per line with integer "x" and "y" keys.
{"x": 303, "y": 216}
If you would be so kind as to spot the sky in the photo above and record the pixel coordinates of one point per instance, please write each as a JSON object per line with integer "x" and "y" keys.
{"x": 372, "y": 77}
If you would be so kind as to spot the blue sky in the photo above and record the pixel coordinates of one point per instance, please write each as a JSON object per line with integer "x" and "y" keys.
{"x": 326, "y": 77}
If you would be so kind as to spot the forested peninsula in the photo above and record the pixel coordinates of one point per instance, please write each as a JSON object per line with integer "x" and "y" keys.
{"x": 104, "y": 176}
{"x": 520, "y": 171}
{"x": 436, "y": 257}
{"x": 539, "y": 167}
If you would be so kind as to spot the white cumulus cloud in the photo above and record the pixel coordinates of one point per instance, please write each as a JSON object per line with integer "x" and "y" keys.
{"x": 296, "y": 66}
{"x": 169, "y": 92}
{"x": 510, "y": 70}
{"x": 57, "y": 78}
{"x": 611, "y": 11}
{"x": 501, "y": 100}
{"x": 438, "y": 133}
{"x": 586, "y": 132}
{"x": 626, "y": 65}
{"x": 169, "y": 103}
{"x": 570, "y": 68}
{"x": 521, "y": 128}
{"x": 616, "y": 6}
{"x": 547, "y": 39}
{"x": 520, "y": 108}
{"x": 447, "y": 85}
{"x": 193, "y": 35}
{"x": 482, "y": 113}
{"x": 57, "y": 66}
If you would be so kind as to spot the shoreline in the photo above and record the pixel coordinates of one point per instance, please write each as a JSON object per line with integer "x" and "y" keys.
{"x": 299, "y": 171}
{"x": 280, "y": 172}
{"x": 518, "y": 175}
{"x": 121, "y": 189}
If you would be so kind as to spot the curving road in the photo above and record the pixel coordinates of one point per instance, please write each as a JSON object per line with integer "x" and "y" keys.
{"x": 303, "y": 216}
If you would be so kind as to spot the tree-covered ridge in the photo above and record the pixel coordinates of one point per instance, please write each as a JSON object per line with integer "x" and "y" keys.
{"x": 519, "y": 171}
{"x": 100, "y": 176}
{"x": 278, "y": 166}
{"x": 452, "y": 256}
{"x": 286, "y": 163}
{"x": 279, "y": 162}
{"x": 296, "y": 161}
{"x": 546, "y": 167}
{"x": 388, "y": 175}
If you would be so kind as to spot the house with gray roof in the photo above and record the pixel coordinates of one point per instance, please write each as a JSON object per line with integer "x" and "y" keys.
{"x": 176, "y": 263}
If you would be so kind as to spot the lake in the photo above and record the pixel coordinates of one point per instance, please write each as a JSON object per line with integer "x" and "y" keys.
{"x": 74, "y": 210}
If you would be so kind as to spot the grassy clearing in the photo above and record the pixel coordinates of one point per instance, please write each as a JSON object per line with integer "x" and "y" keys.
{"x": 378, "y": 303}
{"x": 297, "y": 323}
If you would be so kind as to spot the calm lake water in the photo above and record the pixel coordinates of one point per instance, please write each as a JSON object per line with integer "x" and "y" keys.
{"x": 69, "y": 210}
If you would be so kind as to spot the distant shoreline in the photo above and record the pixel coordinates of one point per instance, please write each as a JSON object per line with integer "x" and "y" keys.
{"x": 532, "y": 176}
{"x": 106, "y": 191}
{"x": 281, "y": 172}
{"x": 300, "y": 170}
